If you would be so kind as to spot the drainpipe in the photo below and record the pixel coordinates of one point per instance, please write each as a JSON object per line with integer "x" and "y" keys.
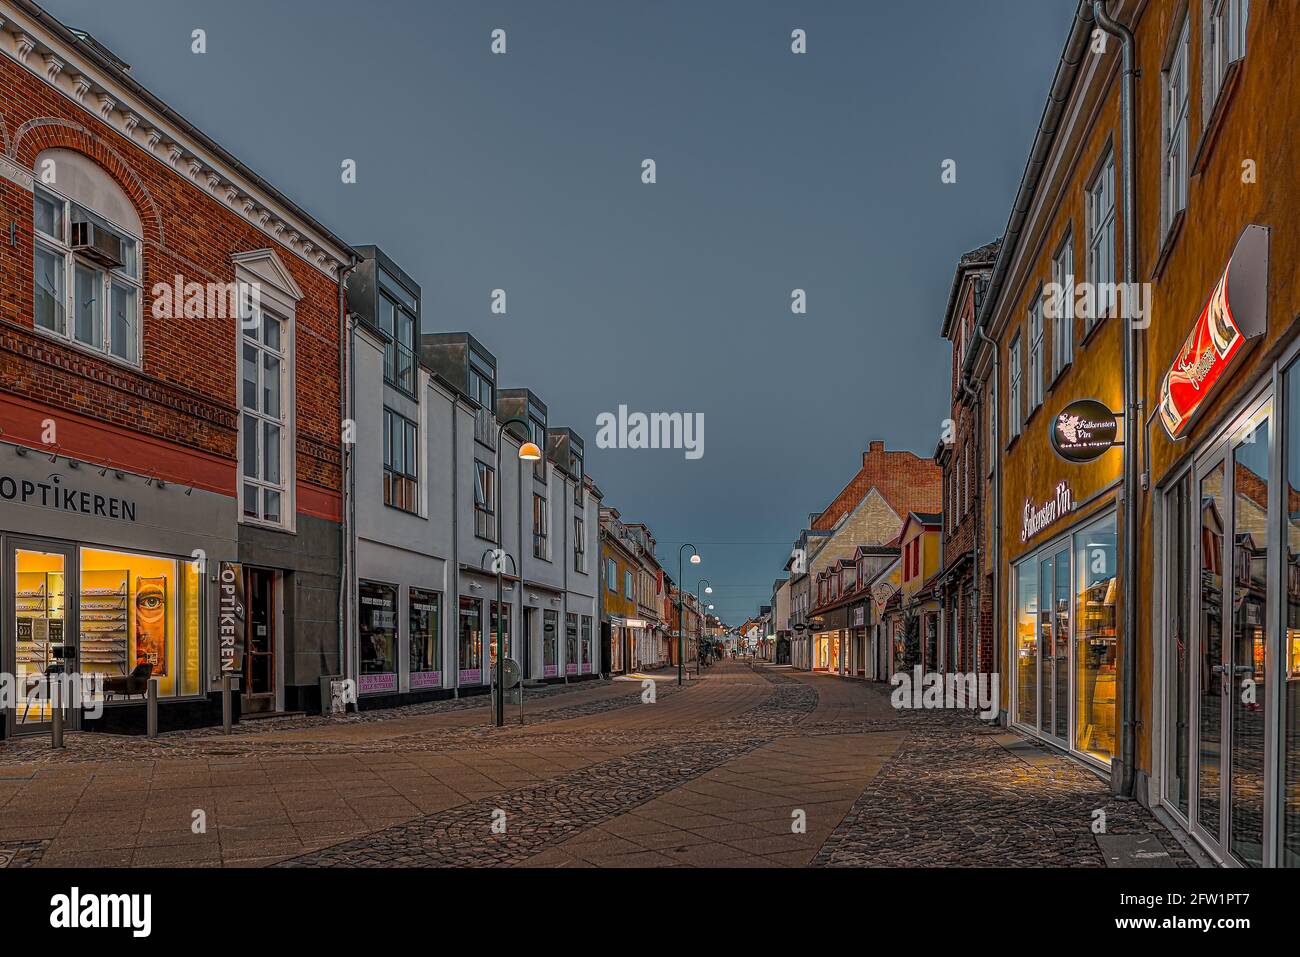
{"x": 1124, "y": 785}
{"x": 455, "y": 542}
{"x": 996, "y": 521}
{"x": 974, "y": 398}
{"x": 347, "y": 528}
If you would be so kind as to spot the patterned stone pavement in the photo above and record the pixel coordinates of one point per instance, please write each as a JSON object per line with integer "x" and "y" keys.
{"x": 741, "y": 768}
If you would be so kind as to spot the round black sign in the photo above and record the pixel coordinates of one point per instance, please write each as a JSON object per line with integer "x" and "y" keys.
{"x": 1084, "y": 430}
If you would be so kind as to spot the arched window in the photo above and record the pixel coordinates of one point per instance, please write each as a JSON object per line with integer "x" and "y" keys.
{"x": 87, "y": 266}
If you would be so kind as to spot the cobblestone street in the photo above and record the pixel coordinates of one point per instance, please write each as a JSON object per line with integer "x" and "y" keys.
{"x": 741, "y": 768}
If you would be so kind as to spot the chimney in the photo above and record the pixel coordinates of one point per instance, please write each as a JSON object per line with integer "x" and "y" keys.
{"x": 876, "y": 446}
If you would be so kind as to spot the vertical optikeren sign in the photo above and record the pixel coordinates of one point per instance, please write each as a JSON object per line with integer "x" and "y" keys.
{"x": 1237, "y": 310}
{"x": 230, "y": 617}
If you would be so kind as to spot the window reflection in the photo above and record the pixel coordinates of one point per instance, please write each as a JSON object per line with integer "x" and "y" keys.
{"x": 1027, "y": 644}
{"x": 1095, "y": 639}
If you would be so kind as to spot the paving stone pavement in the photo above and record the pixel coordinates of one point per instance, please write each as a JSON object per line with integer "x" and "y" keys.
{"x": 740, "y": 768}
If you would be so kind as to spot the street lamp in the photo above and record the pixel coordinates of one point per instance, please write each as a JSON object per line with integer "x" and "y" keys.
{"x": 699, "y": 603}
{"x": 681, "y": 615}
{"x": 528, "y": 452}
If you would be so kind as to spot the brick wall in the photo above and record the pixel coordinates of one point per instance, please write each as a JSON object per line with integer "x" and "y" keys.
{"x": 183, "y": 394}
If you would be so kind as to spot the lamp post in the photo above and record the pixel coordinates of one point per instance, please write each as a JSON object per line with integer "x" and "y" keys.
{"x": 681, "y": 615}
{"x": 699, "y": 602}
{"x": 528, "y": 452}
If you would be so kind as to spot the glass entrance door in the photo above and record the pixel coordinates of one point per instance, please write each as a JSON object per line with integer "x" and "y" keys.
{"x": 1054, "y": 644}
{"x": 1231, "y": 616}
{"x": 40, "y": 633}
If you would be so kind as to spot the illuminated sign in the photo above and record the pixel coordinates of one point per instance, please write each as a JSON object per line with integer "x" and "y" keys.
{"x": 1035, "y": 518}
{"x": 1083, "y": 431}
{"x": 1237, "y": 310}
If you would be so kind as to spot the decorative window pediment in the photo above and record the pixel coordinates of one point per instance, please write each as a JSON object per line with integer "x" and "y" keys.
{"x": 269, "y": 268}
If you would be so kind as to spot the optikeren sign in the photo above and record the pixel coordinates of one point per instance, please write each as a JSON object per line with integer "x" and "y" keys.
{"x": 52, "y": 494}
{"x": 1237, "y": 310}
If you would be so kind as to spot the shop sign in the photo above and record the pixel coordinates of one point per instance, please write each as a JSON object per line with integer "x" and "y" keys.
{"x": 1035, "y": 518}
{"x": 52, "y": 494}
{"x": 425, "y": 679}
{"x": 378, "y": 682}
{"x": 1084, "y": 430}
{"x": 1237, "y": 310}
{"x": 860, "y": 616}
{"x": 230, "y": 617}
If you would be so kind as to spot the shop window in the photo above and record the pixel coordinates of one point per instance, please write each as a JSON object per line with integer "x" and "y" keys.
{"x": 550, "y": 643}
{"x": 377, "y": 634}
{"x": 586, "y": 643}
{"x": 470, "y": 645}
{"x": 87, "y": 269}
{"x": 1095, "y": 639}
{"x": 1290, "y": 544}
{"x": 1026, "y": 649}
{"x": 1250, "y": 689}
{"x": 571, "y": 643}
{"x": 424, "y": 611}
{"x": 1179, "y": 512}
{"x": 500, "y": 631}
{"x": 611, "y": 575}
{"x": 138, "y": 612}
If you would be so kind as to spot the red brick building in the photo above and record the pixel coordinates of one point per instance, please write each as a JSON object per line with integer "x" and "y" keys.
{"x": 169, "y": 396}
{"x": 967, "y": 603}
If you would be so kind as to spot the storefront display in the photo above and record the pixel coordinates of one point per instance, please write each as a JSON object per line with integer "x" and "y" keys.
{"x": 550, "y": 643}
{"x": 500, "y": 631}
{"x": 377, "y": 634}
{"x": 425, "y": 653}
{"x": 570, "y": 643}
{"x": 470, "y": 645}
{"x": 586, "y": 645}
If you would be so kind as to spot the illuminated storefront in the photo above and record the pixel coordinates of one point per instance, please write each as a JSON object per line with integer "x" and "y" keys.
{"x": 108, "y": 577}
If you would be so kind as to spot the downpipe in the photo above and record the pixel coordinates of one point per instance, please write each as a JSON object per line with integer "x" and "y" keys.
{"x": 348, "y": 528}
{"x": 995, "y": 524}
{"x": 1124, "y": 780}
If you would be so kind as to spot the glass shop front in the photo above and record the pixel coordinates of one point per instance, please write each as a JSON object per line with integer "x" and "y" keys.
{"x": 1064, "y": 653}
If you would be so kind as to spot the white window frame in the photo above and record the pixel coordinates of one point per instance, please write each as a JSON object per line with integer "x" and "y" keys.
{"x": 262, "y": 418}
{"x": 1175, "y": 112}
{"x": 1225, "y": 23}
{"x": 1034, "y": 393}
{"x": 1014, "y": 374}
{"x": 488, "y": 507}
{"x": 1100, "y": 267}
{"x": 1063, "y": 318}
{"x": 61, "y": 246}
{"x": 541, "y": 527}
{"x": 579, "y": 544}
{"x": 394, "y": 421}
{"x": 276, "y": 291}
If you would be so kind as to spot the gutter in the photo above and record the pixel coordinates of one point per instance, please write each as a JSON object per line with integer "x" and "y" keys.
{"x": 1123, "y": 783}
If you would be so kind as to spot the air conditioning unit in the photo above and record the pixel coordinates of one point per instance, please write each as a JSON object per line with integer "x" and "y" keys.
{"x": 95, "y": 242}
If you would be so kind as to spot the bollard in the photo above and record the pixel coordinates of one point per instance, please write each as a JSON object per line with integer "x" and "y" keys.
{"x": 227, "y": 706}
{"x": 151, "y": 709}
{"x": 56, "y": 711}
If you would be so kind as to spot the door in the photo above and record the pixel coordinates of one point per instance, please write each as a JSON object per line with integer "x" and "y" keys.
{"x": 260, "y": 640}
{"x": 1231, "y": 672}
{"x": 1054, "y": 644}
{"x": 40, "y": 632}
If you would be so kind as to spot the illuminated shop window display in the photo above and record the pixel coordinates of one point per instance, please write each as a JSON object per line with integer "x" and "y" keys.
{"x": 1065, "y": 659}
{"x": 138, "y": 615}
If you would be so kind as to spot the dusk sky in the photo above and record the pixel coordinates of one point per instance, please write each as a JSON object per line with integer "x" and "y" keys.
{"x": 775, "y": 171}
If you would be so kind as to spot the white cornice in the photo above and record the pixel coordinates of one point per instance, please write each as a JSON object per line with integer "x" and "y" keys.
{"x": 106, "y": 100}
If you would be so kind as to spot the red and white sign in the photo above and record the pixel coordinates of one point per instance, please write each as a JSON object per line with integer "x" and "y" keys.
{"x": 1237, "y": 310}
